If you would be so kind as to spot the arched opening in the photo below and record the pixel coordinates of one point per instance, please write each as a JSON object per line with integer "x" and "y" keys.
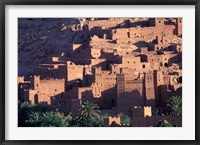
{"x": 165, "y": 64}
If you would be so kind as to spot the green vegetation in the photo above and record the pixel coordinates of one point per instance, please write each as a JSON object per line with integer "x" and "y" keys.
{"x": 48, "y": 119}
{"x": 38, "y": 116}
{"x": 164, "y": 123}
{"x": 175, "y": 104}
{"x": 90, "y": 116}
{"x": 24, "y": 111}
{"x": 126, "y": 120}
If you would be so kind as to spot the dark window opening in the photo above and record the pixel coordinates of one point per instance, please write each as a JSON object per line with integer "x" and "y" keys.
{"x": 128, "y": 34}
{"x": 143, "y": 66}
{"x": 78, "y": 80}
{"x": 36, "y": 99}
{"x": 180, "y": 80}
{"x": 165, "y": 64}
{"x": 113, "y": 101}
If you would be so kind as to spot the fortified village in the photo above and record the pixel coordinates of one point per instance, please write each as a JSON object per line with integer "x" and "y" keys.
{"x": 129, "y": 66}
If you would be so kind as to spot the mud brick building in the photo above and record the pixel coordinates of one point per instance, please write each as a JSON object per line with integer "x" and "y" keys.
{"x": 132, "y": 66}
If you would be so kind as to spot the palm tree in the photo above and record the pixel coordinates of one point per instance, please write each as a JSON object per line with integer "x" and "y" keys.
{"x": 24, "y": 110}
{"x": 89, "y": 115}
{"x": 175, "y": 104}
{"x": 35, "y": 119}
{"x": 35, "y": 115}
{"x": 55, "y": 119}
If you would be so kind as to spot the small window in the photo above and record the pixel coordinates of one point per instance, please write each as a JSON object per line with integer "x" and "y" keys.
{"x": 55, "y": 90}
{"x": 128, "y": 34}
{"x": 165, "y": 64}
{"x": 143, "y": 66}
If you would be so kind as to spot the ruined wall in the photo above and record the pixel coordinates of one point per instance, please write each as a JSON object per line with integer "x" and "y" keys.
{"x": 128, "y": 35}
{"x": 104, "y": 23}
{"x": 74, "y": 73}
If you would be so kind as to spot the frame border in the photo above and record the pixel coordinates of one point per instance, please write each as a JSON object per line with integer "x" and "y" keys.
{"x": 3, "y": 4}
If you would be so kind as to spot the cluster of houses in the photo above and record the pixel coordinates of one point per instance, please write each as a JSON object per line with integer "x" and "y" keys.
{"x": 129, "y": 66}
